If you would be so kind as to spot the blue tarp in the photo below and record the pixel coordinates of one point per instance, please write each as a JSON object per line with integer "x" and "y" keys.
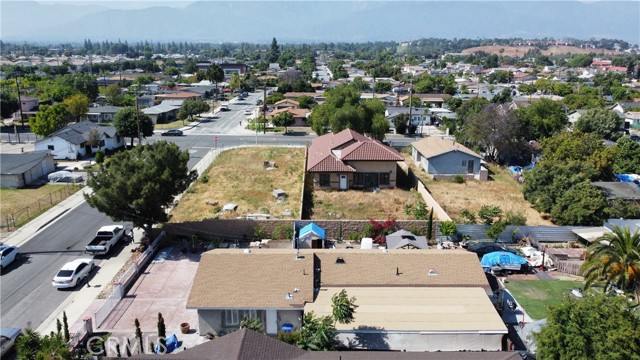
{"x": 501, "y": 257}
{"x": 172, "y": 344}
{"x": 311, "y": 231}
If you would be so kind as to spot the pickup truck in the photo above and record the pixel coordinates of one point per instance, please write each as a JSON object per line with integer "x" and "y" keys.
{"x": 106, "y": 238}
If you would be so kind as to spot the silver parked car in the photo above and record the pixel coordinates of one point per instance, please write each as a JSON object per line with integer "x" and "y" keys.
{"x": 73, "y": 273}
{"x": 8, "y": 254}
{"x": 8, "y": 337}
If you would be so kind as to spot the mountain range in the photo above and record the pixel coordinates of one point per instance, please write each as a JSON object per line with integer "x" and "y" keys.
{"x": 319, "y": 21}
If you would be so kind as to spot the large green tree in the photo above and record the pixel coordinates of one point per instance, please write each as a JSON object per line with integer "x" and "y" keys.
{"x": 215, "y": 74}
{"x": 317, "y": 333}
{"x": 192, "y": 107}
{"x": 32, "y": 346}
{"x": 126, "y": 123}
{"x": 284, "y": 119}
{"x": 595, "y": 327}
{"x": 77, "y": 105}
{"x": 626, "y": 156}
{"x": 274, "y": 51}
{"x": 614, "y": 259}
{"x": 140, "y": 184}
{"x": 8, "y": 104}
{"x": 380, "y": 127}
{"x": 581, "y": 204}
{"x": 49, "y": 119}
{"x": 113, "y": 95}
{"x": 605, "y": 123}
{"x": 543, "y": 118}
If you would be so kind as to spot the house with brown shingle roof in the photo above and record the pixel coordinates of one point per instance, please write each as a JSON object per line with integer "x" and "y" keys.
{"x": 351, "y": 160}
{"x": 444, "y": 158}
{"x": 286, "y": 103}
{"x": 300, "y": 116}
{"x": 421, "y": 300}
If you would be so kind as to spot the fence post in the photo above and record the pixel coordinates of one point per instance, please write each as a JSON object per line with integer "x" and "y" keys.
{"x": 50, "y": 199}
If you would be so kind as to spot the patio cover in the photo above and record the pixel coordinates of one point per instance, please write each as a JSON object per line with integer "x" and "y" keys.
{"x": 590, "y": 234}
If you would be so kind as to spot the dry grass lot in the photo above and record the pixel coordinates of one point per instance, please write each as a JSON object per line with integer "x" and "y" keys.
{"x": 16, "y": 199}
{"x": 238, "y": 176}
{"x": 357, "y": 204}
{"x": 502, "y": 190}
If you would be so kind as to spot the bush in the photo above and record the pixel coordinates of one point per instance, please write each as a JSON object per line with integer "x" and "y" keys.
{"x": 513, "y": 218}
{"x": 458, "y": 179}
{"x": 448, "y": 228}
{"x": 282, "y": 232}
{"x": 204, "y": 178}
{"x": 99, "y": 157}
{"x": 368, "y": 231}
{"x": 353, "y": 236}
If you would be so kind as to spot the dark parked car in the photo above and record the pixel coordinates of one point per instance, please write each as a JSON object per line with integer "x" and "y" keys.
{"x": 172, "y": 132}
{"x": 483, "y": 248}
{"x": 259, "y": 102}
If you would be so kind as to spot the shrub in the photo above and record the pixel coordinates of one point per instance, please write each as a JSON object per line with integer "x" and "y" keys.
{"x": 448, "y": 228}
{"x": 458, "y": 179}
{"x": 99, "y": 157}
{"x": 513, "y": 218}
{"x": 368, "y": 231}
{"x": 282, "y": 231}
{"x": 204, "y": 178}
{"x": 467, "y": 216}
{"x": 353, "y": 236}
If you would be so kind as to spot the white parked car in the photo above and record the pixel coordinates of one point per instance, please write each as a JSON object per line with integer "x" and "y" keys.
{"x": 248, "y": 112}
{"x": 8, "y": 254}
{"x": 73, "y": 273}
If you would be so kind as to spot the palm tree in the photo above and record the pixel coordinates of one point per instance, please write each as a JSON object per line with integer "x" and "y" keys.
{"x": 28, "y": 344}
{"x": 215, "y": 74}
{"x": 615, "y": 258}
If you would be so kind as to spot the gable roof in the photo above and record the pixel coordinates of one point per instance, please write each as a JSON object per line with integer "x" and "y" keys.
{"x": 287, "y": 101}
{"x": 353, "y": 146}
{"x": 433, "y": 146}
{"x": 16, "y": 164}
{"x": 79, "y": 132}
{"x": 107, "y": 109}
{"x": 403, "y": 238}
{"x": 311, "y": 229}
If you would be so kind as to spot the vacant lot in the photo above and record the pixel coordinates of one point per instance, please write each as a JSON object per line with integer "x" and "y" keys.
{"x": 238, "y": 176}
{"x": 24, "y": 204}
{"x": 522, "y": 50}
{"x": 536, "y": 296}
{"x": 501, "y": 190}
{"x": 358, "y": 204}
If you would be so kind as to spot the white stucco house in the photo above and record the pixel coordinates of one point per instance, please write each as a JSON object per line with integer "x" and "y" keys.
{"x": 73, "y": 141}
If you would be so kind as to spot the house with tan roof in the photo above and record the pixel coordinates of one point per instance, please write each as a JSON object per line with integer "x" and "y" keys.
{"x": 444, "y": 158}
{"x": 286, "y": 103}
{"x": 300, "y": 116}
{"x": 351, "y": 160}
{"x": 421, "y": 300}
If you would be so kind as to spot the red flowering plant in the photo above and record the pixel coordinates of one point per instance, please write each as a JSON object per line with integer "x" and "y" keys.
{"x": 383, "y": 228}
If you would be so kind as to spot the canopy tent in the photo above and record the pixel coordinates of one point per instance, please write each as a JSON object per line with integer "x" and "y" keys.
{"x": 311, "y": 236}
{"x": 503, "y": 259}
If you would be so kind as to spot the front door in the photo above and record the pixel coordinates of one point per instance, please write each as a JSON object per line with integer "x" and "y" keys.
{"x": 470, "y": 166}
{"x": 344, "y": 185}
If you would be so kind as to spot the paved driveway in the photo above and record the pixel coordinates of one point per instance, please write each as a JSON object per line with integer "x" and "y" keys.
{"x": 163, "y": 288}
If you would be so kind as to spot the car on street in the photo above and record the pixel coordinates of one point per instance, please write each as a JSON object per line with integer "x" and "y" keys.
{"x": 8, "y": 337}
{"x": 259, "y": 102}
{"x": 8, "y": 254}
{"x": 248, "y": 112}
{"x": 73, "y": 273}
{"x": 172, "y": 132}
{"x": 224, "y": 108}
{"x": 483, "y": 248}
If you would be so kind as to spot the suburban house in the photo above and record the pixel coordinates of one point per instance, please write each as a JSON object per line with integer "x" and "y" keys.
{"x": 101, "y": 114}
{"x": 246, "y": 344}
{"x": 436, "y": 100}
{"x": 74, "y": 141}
{"x": 351, "y": 160}
{"x": 28, "y": 103}
{"x": 419, "y": 116}
{"x": 20, "y": 170}
{"x": 286, "y": 103}
{"x": 443, "y": 158}
{"x": 240, "y": 69}
{"x": 422, "y": 300}
{"x": 300, "y": 116}
{"x": 182, "y": 95}
{"x": 162, "y": 113}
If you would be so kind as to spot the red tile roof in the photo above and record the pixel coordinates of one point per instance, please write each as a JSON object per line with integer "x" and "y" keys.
{"x": 350, "y": 146}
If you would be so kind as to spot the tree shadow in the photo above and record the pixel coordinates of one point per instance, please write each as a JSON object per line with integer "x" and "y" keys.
{"x": 369, "y": 337}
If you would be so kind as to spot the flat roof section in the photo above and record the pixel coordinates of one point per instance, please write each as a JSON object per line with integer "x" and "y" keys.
{"x": 415, "y": 309}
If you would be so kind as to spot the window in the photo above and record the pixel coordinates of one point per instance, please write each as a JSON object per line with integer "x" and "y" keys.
{"x": 358, "y": 179}
{"x": 50, "y": 147}
{"x": 233, "y": 317}
{"x": 101, "y": 143}
{"x": 464, "y": 162}
{"x": 384, "y": 178}
{"x": 325, "y": 179}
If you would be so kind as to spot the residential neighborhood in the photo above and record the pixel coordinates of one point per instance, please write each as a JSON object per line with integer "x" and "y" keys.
{"x": 427, "y": 198}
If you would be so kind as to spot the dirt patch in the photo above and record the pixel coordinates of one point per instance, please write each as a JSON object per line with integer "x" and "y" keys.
{"x": 239, "y": 176}
{"x": 522, "y": 50}
{"x": 358, "y": 204}
{"x": 502, "y": 190}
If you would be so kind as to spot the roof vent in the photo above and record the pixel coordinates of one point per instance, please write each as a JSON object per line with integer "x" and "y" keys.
{"x": 432, "y": 272}
{"x": 247, "y": 251}
{"x": 288, "y": 296}
{"x": 339, "y": 260}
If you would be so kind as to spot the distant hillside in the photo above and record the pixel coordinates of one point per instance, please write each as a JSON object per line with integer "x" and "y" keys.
{"x": 551, "y": 50}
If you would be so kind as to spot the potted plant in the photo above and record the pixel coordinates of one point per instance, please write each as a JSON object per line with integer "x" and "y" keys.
{"x": 184, "y": 328}
{"x": 448, "y": 229}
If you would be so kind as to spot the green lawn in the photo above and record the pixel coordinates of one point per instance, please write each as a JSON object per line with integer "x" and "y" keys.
{"x": 536, "y": 296}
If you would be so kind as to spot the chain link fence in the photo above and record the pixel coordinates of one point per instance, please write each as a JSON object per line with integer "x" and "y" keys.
{"x": 13, "y": 219}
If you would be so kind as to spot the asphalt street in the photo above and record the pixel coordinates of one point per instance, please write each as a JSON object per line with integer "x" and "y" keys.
{"x": 27, "y": 297}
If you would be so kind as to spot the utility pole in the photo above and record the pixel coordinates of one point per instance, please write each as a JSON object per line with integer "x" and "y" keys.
{"x": 20, "y": 104}
{"x": 264, "y": 108}
{"x": 411, "y": 103}
{"x": 138, "y": 116}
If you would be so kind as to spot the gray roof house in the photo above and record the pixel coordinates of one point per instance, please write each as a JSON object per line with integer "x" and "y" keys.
{"x": 101, "y": 114}
{"x": 444, "y": 158}
{"x": 162, "y": 113}
{"x": 20, "y": 170}
{"x": 74, "y": 140}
